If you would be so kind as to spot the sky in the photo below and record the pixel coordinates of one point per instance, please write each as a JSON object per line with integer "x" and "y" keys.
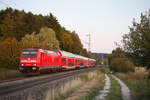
{"x": 105, "y": 20}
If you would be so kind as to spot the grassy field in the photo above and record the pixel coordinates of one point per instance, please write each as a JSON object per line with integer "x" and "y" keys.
{"x": 138, "y": 84}
{"x": 115, "y": 90}
{"x": 98, "y": 87}
{"x": 9, "y": 74}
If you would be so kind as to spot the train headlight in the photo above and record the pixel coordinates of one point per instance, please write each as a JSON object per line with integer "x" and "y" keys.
{"x": 33, "y": 61}
{"x": 23, "y": 61}
{"x": 34, "y": 64}
{"x": 34, "y": 68}
{"x": 22, "y": 64}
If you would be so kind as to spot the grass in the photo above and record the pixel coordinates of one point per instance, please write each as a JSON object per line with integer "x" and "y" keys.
{"x": 8, "y": 74}
{"x": 138, "y": 84}
{"x": 67, "y": 94}
{"x": 95, "y": 89}
{"x": 115, "y": 90}
{"x": 84, "y": 77}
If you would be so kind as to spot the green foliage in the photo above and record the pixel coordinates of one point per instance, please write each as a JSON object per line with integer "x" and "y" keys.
{"x": 77, "y": 45}
{"x": 117, "y": 53}
{"x": 19, "y": 29}
{"x": 104, "y": 70}
{"x": 6, "y": 27}
{"x": 47, "y": 35}
{"x": 9, "y": 53}
{"x": 137, "y": 42}
{"x": 84, "y": 77}
{"x": 115, "y": 90}
{"x": 138, "y": 84}
{"x": 122, "y": 65}
{"x": 118, "y": 61}
{"x": 46, "y": 39}
{"x": 95, "y": 89}
{"x": 30, "y": 38}
{"x": 66, "y": 42}
{"x": 9, "y": 74}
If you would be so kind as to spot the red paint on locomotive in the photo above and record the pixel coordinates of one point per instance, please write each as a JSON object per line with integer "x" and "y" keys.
{"x": 37, "y": 60}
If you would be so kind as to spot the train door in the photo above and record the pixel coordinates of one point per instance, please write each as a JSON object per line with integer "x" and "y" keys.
{"x": 42, "y": 59}
{"x": 64, "y": 61}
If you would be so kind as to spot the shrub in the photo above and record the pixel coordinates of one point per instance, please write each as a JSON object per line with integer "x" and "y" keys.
{"x": 122, "y": 65}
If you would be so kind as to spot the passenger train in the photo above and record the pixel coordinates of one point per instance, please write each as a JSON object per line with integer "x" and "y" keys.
{"x": 39, "y": 60}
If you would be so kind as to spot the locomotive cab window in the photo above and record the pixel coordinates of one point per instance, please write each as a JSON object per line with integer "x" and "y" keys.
{"x": 29, "y": 53}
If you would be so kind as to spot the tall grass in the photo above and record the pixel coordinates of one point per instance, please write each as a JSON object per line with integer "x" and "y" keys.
{"x": 115, "y": 90}
{"x": 138, "y": 83}
{"x": 8, "y": 74}
{"x": 100, "y": 81}
{"x": 66, "y": 89}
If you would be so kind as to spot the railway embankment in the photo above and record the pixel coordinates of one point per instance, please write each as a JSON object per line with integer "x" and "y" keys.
{"x": 138, "y": 83}
{"x": 9, "y": 75}
{"x": 49, "y": 87}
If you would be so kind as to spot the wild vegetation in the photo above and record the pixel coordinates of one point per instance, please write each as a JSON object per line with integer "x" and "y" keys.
{"x": 138, "y": 83}
{"x": 78, "y": 88}
{"x": 115, "y": 90}
{"x": 136, "y": 46}
{"x": 20, "y": 29}
{"x": 132, "y": 56}
{"x": 136, "y": 43}
{"x": 99, "y": 84}
{"x": 119, "y": 62}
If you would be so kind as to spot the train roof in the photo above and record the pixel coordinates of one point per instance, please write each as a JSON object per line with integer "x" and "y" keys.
{"x": 67, "y": 54}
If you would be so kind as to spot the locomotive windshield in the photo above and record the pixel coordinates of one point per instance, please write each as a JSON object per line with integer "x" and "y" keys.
{"x": 29, "y": 53}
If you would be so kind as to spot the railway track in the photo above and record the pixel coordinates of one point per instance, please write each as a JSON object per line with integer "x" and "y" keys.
{"x": 19, "y": 85}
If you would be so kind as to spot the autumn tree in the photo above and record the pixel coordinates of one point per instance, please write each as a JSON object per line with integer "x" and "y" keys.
{"x": 47, "y": 35}
{"x": 119, "y": 62}
{"x": 66, "y": 41}
{"x": 10, "y": 53}
{"x": 54, "y": 24}
{"x": 6, "y": 27}
{"x": 46, "y": 39}
{"x": 77, "y": 45}
{"x": 137, "y": 42}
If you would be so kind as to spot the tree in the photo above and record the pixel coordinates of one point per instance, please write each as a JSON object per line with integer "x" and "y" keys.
{"x": 137, "y": 42}
{"x": 7, "y": 27}
{"x": 66, "y": 42}
{"x": 9, "y": 54}
{"x": 47, "y": 35}
{"x": 54, "y": 24}
{"x": 118, "y": 61}
{"x": 117, "y": 53}
{"x": 77, "y": 45}
{"x": 46, "y": 39}
{"x": 122, "y": 65}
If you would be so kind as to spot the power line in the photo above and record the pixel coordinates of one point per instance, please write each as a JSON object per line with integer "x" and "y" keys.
{"x": 84, "y": 41}
{"x": 89, "y": 44}
{"x": 4, "y": 3}
{"x": 8, "y": 5}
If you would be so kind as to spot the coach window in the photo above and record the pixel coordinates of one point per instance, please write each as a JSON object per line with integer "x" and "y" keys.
{"x": 64, "y": 59}
{"x": 76, "y": 61}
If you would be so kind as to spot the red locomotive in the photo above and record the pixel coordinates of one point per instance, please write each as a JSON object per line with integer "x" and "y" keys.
{"x": 38, "y": 60}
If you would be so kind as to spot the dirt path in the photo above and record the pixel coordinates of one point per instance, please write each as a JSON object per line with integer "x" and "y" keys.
{"x": 124, "y": 89}
{"x": 106, "y": 89}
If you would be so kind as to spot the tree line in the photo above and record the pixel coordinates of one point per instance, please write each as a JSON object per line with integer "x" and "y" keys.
{"x": 20, "y": 29}
{"x": 135, "y": 47}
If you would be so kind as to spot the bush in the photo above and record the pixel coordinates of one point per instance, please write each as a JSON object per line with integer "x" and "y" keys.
{"x": 104, "y": 70}
{"x": 122, "y": 65}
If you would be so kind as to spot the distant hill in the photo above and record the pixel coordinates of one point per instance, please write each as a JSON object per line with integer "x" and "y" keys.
{"x": 101, "y": 55}
{"x": 101, "y": 58}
